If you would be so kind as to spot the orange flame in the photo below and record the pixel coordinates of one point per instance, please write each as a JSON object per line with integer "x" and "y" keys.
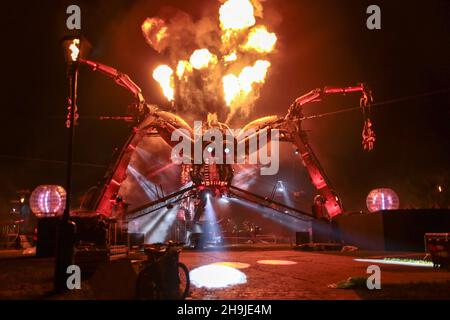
{"x": 241, "y": 66}
{"x": 236, "y": 15}
{"x": 202, "y": 58}
{"x": 260, "y": 40}
{"x": 230, "y": 57}
{"x": 154, "y": 30}
{"x": 231, "y": 88}
{"x": 182, "y": 68}
{"x": 75, "y": 51}
{"x": 237, "y": 88}
{"x": 163, "y": 74}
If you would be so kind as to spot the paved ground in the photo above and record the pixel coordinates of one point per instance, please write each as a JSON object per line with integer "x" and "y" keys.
{"x": 310, "y": 277}
{"x": 31, "y": 278}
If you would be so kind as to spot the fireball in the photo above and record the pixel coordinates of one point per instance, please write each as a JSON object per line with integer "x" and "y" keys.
{"x": 254, "y": 74}
{"x": 183, "y": 67}
{"x": 230, "y": 57}
{"x": 163, "y": 74}
{"x": 154, "y": 31}
{"x": 260, "y": 40}
{"x": 231, "y": 88}
{"x": 240, "y": 86}
{"x": 239, "y": 64}
{"x": 236, "y": 15}
{"x": 202, "y": 58}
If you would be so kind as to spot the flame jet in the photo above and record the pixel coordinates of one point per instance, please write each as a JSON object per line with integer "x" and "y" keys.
{"x": 236, "y": 58}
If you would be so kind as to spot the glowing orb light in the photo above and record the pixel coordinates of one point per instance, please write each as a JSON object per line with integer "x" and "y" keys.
{"x": 216, "y": 276}
{"x": 277, "y": 262}
{"x": 48, "y": 201}
{"x": 382, "y": 199}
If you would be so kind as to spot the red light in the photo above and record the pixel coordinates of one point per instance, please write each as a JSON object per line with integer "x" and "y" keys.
{"x": 115, "y": 182}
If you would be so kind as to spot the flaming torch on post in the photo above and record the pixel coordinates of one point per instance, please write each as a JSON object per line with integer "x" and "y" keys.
{"x": 66, "y": 228}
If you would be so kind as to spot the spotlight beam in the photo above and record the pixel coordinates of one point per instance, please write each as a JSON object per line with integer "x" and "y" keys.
{"x": 138, "y": 212}
{"x": 269, "y": 207}
{"x": 149, "y": 223}
{"x": 266, "y": 203}
{"x": 211, "y": 216}
{"x": 144, "y": 183}
{"x": 159, "y": 231}
{"x": 288, "y": 221}
{"x": 154, "y": 209}
{"x": 158, "y": 222}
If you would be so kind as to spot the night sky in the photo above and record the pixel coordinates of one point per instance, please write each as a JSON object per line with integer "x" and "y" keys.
{"x": 319, "y": 43}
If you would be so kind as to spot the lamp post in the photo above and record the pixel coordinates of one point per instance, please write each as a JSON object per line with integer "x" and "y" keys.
{"x": 73, "y": 50}
{"x": 66, "y": 229}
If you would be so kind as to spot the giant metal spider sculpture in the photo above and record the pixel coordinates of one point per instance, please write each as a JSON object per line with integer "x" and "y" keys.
{"x": 213, "y": 178}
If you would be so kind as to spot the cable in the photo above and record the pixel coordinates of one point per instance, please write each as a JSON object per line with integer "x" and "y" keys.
{"x": 427, "y": 94}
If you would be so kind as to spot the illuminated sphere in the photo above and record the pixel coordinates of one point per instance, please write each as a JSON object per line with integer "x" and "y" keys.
{"x": 48, "y": 201}
{"x": 382, "y": 199}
